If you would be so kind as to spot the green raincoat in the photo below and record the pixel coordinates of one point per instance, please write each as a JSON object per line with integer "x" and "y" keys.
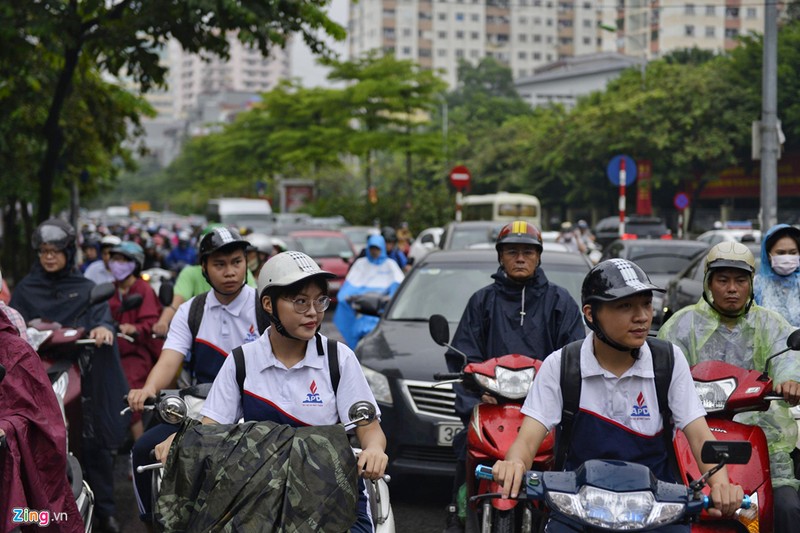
{"x": 699, "y": 332}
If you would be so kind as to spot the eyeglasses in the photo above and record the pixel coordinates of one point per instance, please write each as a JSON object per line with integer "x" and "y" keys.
{"x": 48, "y": 252}
{"x": 525, "y": 252}
{"x": 301, "y": 305}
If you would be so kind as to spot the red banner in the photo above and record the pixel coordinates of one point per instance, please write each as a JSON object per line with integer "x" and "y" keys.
{"x": 735, "y": 182}
{"x": 644, "y": 198}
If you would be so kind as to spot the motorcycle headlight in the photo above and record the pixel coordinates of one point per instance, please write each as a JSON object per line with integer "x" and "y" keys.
{"x": 511, "y": 384}
{"x": 616, "y": 511}
{"x": 379, "y": 385}
{"x": 714, "y": 394}
{"x": 36, "y": 337}
{"x": 172, "y": 410}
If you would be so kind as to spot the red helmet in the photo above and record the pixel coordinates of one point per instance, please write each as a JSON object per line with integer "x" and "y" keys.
{"x": 519, "y": 232}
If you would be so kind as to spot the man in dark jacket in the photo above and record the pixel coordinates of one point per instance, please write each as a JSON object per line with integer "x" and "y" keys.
{"x": 55, "y": 290}
{"x": 521, "y": 312}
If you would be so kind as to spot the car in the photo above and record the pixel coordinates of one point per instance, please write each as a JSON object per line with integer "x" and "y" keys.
{"x": 686, "y": 288}
{"x": 399, "y": 358}
{"x": 660, "y": 259}
{"x": 427, "y": 240}
{"x": 331, "y": 249}
{"x": 460, "y": 235}
{"x": 716, "y": 236}
{"x": 358, "y": 235}
{"x": 636, "y": 227}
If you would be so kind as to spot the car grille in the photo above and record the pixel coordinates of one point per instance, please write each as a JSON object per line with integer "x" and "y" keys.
{"x": 435, "y": 454}
{"x": 425, "y": 399}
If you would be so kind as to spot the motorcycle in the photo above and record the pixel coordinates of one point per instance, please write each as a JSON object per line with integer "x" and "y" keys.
{"x": 726, "y": 390}
{"x": 173, "y": 407}
{"x": 610, "y": 495}
{"x": 493, "y": 428}
{"x": 157, "y": 277}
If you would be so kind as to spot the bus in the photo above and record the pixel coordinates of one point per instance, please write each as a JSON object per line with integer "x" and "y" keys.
{"x": 502, "y": 207}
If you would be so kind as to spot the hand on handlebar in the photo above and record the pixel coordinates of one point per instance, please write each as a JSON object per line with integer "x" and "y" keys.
{"x": 372, "y": 463}
{"x": 127, "y": 329}
{"x": 488, "y": 398}
{"x": 160, "y": 329}
{"x": 102, "y": 335}
{"x": 790, "y": 390}
{"x": 727, "y": 499}
{"x": 509, "y": 474}
{"x": 138, "y": 397}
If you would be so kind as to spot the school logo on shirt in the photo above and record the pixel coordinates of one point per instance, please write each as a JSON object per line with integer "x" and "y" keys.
{"x": 252, "y": 334}
{"x": 312, "y": 398}
{"x": 640, "y": 409}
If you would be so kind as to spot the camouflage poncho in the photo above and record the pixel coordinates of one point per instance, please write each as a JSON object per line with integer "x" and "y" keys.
{"x": 258, "y": 476}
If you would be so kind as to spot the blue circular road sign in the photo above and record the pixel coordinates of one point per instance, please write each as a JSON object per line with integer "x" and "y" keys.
{"x": 613, "y": 170}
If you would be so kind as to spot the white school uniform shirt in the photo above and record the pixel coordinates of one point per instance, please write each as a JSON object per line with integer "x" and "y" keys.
{"x": 303, "y": 393}
{"x": 629, "y": 400}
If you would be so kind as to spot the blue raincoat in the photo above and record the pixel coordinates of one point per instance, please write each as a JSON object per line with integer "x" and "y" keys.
{"x": 366, "y": 275}
{"x": 776, "y": 292}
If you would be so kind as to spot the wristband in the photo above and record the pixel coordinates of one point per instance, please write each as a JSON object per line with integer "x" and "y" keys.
{"x": 173, "y": 307}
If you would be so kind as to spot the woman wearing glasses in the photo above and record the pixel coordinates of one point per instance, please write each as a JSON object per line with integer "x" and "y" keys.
{"x": 287, "y": 370}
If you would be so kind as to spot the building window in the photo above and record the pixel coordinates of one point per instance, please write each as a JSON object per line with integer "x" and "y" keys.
{"x": 537, "y": 56}
{"x": 388, "y": 13}
{"x": 522, "y": 55}
{"x": 523, "y": 20}
{"x": 474, "y": 35}
{"x": 502, "y": 37}
{"x": 522, "y": 37}
{"x": 537, "y": 38}
{"x": 521, "y": 73}
{"x": 731, "y": 33}
{"x": 442, "y": 16}
{"x": 459, "y": 53}
{"x": 710, "y": 31}
{"x": 587, "y": 23}
{"x": 406, "y": 50}
{"x": 711, "y": 11}
{"x": 731, "y": 12}
{"x": 752, "y": 13}
{"x": 537, "y": 21}
{"x": 474, "y": 53}
{"x": 388, "y": 33}
{"x": 688, "y": 31}
{"x": 587, "y": 41}
{"x": 424, "y": 52}
{"x": 406, "y": 32}
{"x": 549, "y": 22}
{"x": 459, "y": 35}
{"x": 441, "y": 52}
{"x": 442, "y": 35}
{"x": 688, "y": 9}
{"x": 475, "y": 17}
{"x": 460, "y": 17}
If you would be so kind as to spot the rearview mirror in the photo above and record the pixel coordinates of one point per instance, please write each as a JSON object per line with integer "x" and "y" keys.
{"x": 439, "y": 329}
{"x": 793, "y": 342}
{"x": 101, "y": 293}
{"x": 361, "y": 413}
{"x": 132, "y": 301}
{"x": 165, "y": 293}
{"x": 732, "y": 452}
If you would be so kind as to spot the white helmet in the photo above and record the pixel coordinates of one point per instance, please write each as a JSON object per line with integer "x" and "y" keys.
{"x": 260, "y": 242}
{"x": 109, "y": 241}
{"x": 287, "y": 268}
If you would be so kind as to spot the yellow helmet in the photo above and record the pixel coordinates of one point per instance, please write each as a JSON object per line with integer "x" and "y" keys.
{"x": 729, "y": 254}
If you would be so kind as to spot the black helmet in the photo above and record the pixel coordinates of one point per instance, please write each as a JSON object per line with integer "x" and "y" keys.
{"x": 519, "y": 232}
{"x": 614, "y": 279}
{"x": 389, "y": 234}
{"x": 54, "y": 231}
{"x": 220, "y": 238}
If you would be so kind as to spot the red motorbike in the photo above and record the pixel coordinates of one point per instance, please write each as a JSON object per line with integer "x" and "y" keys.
{"x": 726, "y": 390}
{"x": 492, "y": 429}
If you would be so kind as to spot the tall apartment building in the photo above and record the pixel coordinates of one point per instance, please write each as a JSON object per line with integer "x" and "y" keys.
{"x": 523, "y": 34}
{"x": 653, "y": 28}
{"x": 245, "y": 71}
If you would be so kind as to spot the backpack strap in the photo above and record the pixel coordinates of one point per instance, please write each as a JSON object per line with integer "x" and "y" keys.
{"x": 663, "y": 356}
{"x": 241, "y": 369}
{"x": 196, "y": 310}
{"x": 333, "y": 364}
{"x": 571, "y": 394}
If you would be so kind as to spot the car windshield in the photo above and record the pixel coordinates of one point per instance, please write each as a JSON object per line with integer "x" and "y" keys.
{"x": 569, "y": 277}
{"x": 442, "y": 289}
{"x": 319, "y": 246}
{"x": 670, "y": 261}
{"x": 466, "y": 237}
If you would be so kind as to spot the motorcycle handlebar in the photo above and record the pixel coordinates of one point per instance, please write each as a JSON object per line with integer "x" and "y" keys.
{"x": 149, "y": 405}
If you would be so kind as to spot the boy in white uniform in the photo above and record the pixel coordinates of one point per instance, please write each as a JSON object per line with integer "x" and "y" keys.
{"x": 288, "y": 378}
{"x": 619, "y": 413}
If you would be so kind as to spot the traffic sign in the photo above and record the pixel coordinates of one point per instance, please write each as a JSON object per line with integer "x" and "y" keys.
{"x": 681, "y": 201}
{"x": 612, "y": 170}
{"x": 459, "y": 177}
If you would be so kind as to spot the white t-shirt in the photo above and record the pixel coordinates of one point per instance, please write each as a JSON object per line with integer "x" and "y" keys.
{"x": 302, "y": 393}
{"x": 629, "y": 400}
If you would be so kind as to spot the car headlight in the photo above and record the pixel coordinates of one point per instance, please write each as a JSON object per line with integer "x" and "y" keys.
{"x": 618, "y": 511}
{"x": 714, "y": 394}
{"x": 511, "y": 384}
{"x": 379, "y": 385}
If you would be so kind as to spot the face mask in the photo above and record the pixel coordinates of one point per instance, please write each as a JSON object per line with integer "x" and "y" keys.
{"x": 121, "y": 269}
{"x": 252, "y": 265}
{"x": 783, "y": 265}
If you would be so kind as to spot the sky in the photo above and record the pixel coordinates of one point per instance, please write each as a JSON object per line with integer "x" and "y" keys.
{"x": 303, "y": 63}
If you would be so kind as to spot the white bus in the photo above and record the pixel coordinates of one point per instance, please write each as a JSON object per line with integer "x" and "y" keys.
{"x": 502, "y": 207}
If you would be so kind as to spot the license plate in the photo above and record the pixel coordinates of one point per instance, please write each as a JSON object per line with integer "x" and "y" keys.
{"x": 448, "y": 430}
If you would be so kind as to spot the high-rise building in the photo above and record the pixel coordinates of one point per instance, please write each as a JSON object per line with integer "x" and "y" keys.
{"x": 523, "y": 34}
{"x": 653, "y": 28}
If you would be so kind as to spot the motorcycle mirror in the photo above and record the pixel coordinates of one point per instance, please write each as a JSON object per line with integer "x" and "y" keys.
{"x": 792, "y": 343}
{"x": 132, "y": 301}
{"x": 439, "y": 329}
{"x": 732, "y": 452}
{"x": 361, "y": 413}
{"x": 369, "y": 303}
{"x": 101, "y": 293}
{"x": 165, "y": 293}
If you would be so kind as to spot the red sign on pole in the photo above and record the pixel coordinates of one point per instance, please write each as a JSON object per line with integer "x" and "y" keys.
{"x": 460, "y": 177}
{"x": 644, "y": 201}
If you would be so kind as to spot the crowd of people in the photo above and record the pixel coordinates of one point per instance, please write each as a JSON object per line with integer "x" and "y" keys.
{"x": 249, "y": 297}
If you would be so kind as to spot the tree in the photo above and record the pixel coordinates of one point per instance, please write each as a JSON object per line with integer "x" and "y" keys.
{"x": 125, "y": 37}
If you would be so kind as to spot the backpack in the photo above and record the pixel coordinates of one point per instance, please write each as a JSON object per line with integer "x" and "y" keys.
{"x": 663, "y": 362}
{"x": 333, "y": 364}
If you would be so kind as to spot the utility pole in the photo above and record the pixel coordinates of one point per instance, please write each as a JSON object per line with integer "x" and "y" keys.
{"x": 769, "y": 118}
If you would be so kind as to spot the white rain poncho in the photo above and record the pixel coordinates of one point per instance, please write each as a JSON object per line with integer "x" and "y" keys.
{"x": 776, "y": 292}
{"x": 698, "y": 331}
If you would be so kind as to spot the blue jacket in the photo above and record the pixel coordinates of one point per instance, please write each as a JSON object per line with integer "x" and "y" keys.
{"x": 493, "y": 325}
